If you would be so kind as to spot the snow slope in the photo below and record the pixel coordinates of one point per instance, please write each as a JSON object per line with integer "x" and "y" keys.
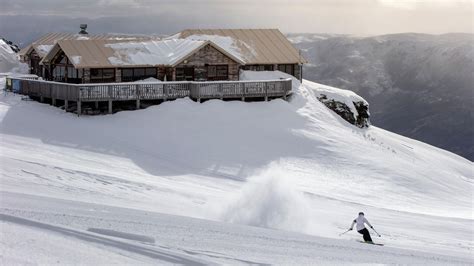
{"x": 270, "y": 182}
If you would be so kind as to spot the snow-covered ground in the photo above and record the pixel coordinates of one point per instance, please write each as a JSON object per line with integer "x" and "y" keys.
{"x": 226, "y": 183}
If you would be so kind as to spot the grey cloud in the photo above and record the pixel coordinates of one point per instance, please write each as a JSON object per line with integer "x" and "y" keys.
{"x": 363, "y": 17}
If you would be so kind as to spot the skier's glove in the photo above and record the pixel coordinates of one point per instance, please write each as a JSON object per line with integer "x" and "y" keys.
{"x": 350, "y": 229}
{"x": 372, "y": 227}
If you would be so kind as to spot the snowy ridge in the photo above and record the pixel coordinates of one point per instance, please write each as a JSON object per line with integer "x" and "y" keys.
{"x": 291, "y": 166}
{"x": 9, "y": 61}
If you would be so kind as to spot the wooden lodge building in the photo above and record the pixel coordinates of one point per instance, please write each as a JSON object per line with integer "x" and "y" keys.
{"x": 36, "y": 51}
{"x": 191, "y": 55}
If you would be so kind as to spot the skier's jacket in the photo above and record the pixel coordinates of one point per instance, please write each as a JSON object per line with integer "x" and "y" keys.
{"x": 359, "y": 221}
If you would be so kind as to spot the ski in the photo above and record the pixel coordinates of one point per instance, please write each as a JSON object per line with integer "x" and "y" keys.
{"x": 370, "y": 243}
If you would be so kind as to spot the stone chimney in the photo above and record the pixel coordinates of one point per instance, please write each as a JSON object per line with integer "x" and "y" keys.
{"x": 83, "y": 29}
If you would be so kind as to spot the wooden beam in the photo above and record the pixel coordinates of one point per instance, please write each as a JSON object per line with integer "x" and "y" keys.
{"x": 79, "y": 108}
{"x": 110, "y": 107}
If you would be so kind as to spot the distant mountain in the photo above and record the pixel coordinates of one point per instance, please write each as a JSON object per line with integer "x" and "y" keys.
{"x": 418, "y": 85}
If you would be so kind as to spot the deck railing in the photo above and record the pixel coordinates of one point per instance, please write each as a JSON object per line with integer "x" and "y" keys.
{"x": 150, "y": 90}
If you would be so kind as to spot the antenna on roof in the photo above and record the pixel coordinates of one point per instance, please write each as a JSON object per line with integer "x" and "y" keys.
{"x": 83, "y": 29}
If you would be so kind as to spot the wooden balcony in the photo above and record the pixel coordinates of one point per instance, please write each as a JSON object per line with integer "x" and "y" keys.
{"x": 142, "y": 91}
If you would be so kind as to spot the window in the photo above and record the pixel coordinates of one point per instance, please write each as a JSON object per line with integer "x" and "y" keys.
{"x": 258, "y": 67}
{"x": 127, "y": 74}
{"x": 219, "y": 72}
{"x": 211, "y": 71}
{"x": 108, "y": 74}
{"x": 71, "y": 72}
{"x": 133, "y": 74}
{"x": 165, "y": 73}
{"x": 287, "y": 68}
{"x": 268, "y": 67}
{"x": 184, "y": 73}
{"x": 102, "y": 75}
{"x": 150, "y": 72}
{"x": 74, "y": 75}
{"x": 138, "y": 72}
{"x": 59, "y": 73}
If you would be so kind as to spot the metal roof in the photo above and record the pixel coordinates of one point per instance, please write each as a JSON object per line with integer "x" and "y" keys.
{"x": 47, "y": 41}
{"x": 259, "y": 46}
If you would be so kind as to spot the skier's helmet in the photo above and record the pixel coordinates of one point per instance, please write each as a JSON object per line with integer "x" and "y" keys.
{"x": 361, "y": 213}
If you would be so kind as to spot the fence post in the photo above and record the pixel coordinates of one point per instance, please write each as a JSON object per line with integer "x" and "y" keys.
{"x": 286, "y": 88}
{"x": 243, "y": 91}
{"x": 110, "y": 109}
{"x": 137, "y": 93}
{"x": 266, "y": 91}
{"x": 109, "y": 91}
{"x": 53, "y": 94}
{"x": 195, "y": 91}
{"x": 221, "y": 93}
{"x": 79, "y": 107}
{"x": 165, "y": 92}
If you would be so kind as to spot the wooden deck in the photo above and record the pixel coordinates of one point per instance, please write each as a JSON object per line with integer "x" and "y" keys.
{"x": 112, "y": 92}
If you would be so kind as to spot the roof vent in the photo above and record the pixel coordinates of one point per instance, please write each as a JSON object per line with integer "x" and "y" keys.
{"x": 83, "y": 29}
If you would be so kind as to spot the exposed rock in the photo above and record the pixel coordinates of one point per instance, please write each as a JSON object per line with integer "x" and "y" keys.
{"x": 361, "y": 119}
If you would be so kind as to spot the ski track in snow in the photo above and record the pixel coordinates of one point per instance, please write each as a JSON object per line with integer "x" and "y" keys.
{"x": 181, "y": 240}
{"x": 181, "y": 182}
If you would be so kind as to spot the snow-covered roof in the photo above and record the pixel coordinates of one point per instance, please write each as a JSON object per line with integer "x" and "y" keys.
{"x": 253, "y": 46}
{"x": 45, "y": 43}
{"x": 117, "y": 53}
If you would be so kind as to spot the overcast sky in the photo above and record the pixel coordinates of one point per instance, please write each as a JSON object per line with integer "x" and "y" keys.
{"x": 359, "y": 17}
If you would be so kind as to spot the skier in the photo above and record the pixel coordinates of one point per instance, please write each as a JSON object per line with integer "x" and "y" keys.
{"x": 360, "y": 220}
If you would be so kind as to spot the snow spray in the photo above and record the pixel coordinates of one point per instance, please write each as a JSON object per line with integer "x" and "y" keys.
{"x": 269, "y": 200}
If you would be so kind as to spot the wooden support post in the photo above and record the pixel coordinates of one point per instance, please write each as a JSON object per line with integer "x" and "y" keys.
{"x": 110, "y": 107}
{"x": 137, "y": 94}
{"x": 266, "y": 91}
{"x": 53, "y": 101}
{"x": 221, "y": 91}
{"x": 165, "y": 92}
{"x": 97, "y": 105}
{"x": 79, "y": 108}
{"x": 65, "y": 105}
{"x": 41, "y": 99}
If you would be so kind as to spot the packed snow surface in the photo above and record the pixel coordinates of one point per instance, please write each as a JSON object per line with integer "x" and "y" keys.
{"x": 224, "y": 182}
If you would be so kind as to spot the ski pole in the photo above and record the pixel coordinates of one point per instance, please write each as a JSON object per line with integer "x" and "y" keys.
{"x": 344, "y": 232}
{"x": 376, "y": 232}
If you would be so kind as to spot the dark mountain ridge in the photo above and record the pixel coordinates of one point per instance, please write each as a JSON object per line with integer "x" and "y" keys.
{"x": 418, "y": 85}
